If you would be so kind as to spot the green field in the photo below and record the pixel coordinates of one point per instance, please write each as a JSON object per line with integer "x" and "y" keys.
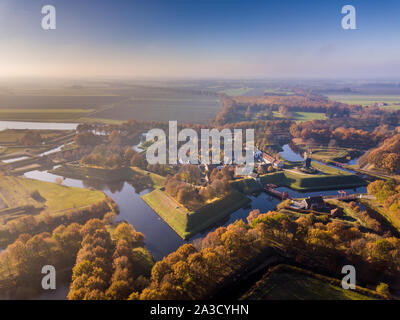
{"x": 163, "y": 107}
{"x": 236, "y": 91}
{"x": 110, "y": 102}
{"x": 16, "y": 192}
{"x": 316, "y": 182}
{"x": 283, "y": 92}
{"x": 330, "y": 170}
{"x": 289, "y": 283}
{"x": 56, "y": 115}
{"x": 186, "y": 223}
{"x": 246, "y": 185}
{"x": 332, "y": 154}
{"x": 392, "y": 101}
{"x": 302, "y": 116}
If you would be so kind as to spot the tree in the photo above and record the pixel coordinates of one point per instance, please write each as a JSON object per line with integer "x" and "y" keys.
{"x": 125, "y": 231}
{"x": 119, "y": 290}
{"x": 109, "y": 217}
{"x": 139, "y": 161}
{"x": 383, "y": 289}
{"x": 31, "y": 138}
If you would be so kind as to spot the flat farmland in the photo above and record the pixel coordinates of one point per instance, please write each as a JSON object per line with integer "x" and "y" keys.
{"x": 43, "y": 114}
{"x": 56, "y": 102}
{"x": 391, "y": 101}
{"x": 183, "y": 109}
{"x": 53, "y": 108}
{"x": 302, "y": 116}
{"x": 157, "y": 103}
{"x": 110, "y": 104}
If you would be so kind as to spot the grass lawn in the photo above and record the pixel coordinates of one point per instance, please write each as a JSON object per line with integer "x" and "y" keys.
{"x": 392, "y": 101}
{"x": 155, "y": 180}
{"x": 332, "y": 154}
{"x": 330, "y": 170}
{"x": 302, "y": 116}
{"x": 57, "y": 199}
{"x": 169, "y": 210}
{"x": 246, "y": 185}
{"x": 102, "y": 120}
{"x": 289, "y": 283}
{"x": 304, "y": 183}
{"x": 186, "y": 223}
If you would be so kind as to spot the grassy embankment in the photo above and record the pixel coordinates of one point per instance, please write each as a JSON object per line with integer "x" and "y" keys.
{"x": 305, "y": 183}
{"x": 285, "y": 282}
{"x": 16, "y": 193}
{"x": 184, "y": 222}
{"x": 187, "y": 223}
{"x": 331, "y": 178}
{"x": 246, "y": 185}
{"x": 392, "y": 217}
{"x": 22, "y": 197}
{"x": 333, "y": 154}
{"x": 328, "y": 154}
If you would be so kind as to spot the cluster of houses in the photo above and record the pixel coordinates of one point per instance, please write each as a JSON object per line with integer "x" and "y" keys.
{"x": 267, "y": 159}
{"x": 259, "y": 156}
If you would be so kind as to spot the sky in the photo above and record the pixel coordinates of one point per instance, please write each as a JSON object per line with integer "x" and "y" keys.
{"x": 200, "y": 39}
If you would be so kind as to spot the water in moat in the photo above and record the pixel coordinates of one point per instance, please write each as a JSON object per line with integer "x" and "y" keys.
{"x": 160, "y": 238}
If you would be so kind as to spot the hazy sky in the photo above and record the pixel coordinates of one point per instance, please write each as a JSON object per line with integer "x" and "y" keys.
{"x": 193, "y": 38}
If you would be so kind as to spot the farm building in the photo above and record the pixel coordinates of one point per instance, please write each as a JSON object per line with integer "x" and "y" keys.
{"x": 313, "y": 202}
{"x": 271, "y": 160}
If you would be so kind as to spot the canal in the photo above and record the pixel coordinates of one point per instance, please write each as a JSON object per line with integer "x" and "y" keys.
{"x": 160, "y": 239}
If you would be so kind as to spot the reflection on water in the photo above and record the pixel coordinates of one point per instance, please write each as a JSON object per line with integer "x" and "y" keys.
{"x": 290, "y": 155}
{"x": 160, "y": 238}
{"x": 353, "y": 161}
{"x": 262, "y": 202}
{"x": 37, "y": 125}
{"x": 53, "y": 150}
{"x": 142, "y": 140}
{"x": 14, "y": 159}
